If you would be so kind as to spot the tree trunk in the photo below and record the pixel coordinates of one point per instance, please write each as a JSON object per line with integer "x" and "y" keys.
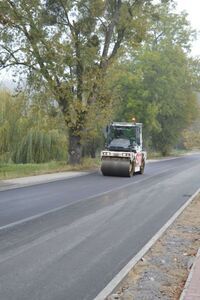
{"x": 75, "y": 148}
{"x": 93, "y": 153}
{"x": 92, "y": 149}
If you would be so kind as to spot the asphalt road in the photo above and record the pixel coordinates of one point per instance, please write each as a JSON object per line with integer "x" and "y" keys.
{"x": 80, "y": 232}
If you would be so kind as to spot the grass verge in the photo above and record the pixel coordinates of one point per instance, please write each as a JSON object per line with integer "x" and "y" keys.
{"x": 8, "y": 171}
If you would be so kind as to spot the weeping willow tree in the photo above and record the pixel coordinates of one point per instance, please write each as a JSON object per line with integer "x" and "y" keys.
{"x": 28, "y": 132}
{"x": 9, "y": 114}
{"x": 39, "y": 146}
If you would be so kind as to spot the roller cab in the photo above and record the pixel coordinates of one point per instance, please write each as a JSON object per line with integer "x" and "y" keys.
{"x": 123, "y": 154}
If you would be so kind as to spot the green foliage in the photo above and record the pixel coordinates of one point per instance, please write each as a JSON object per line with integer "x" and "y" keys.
{"x": 100, "y": 113}
{"x": 191, "y": 139}
{"x": 169, "y": 86}
{"x": 157, "y": 85}
{"x": 10, "y": 112}
{"x": 134, "y": 97}
{"x": 28, "y": 132}
{"x": 191, "y": 136}
{"x": 39, "y": 146}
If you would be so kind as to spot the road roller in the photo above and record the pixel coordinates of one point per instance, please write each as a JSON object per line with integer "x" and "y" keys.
{"x": 123, "y": 154}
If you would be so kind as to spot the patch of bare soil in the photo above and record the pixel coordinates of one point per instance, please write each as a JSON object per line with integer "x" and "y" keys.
{"x": 163, "y": 271}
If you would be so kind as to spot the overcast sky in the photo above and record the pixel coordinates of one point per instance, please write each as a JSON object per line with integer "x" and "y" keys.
{"x": 192, "y": 7}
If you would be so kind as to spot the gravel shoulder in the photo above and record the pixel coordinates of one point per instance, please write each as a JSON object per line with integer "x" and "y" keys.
{"x": 163, "y": 271}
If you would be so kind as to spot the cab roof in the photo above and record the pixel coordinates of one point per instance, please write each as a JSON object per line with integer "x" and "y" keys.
{"x": 126, "y": 124}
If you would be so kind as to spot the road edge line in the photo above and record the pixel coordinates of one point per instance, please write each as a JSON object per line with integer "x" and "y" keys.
{"x": 124, "y": 271}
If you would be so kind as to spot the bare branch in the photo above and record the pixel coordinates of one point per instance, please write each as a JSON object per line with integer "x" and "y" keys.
{"x": 10, "y": 52}
{"x": 25, "y": 64}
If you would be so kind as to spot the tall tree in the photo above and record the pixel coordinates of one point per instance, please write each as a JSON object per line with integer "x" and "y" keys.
{"x": 68, "y": 45}
{"x": 157, "y": 85}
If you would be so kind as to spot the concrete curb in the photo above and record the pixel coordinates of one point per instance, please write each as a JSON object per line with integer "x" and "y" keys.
{"x": 112, "y": 285}
{"x": 189, "y": 282}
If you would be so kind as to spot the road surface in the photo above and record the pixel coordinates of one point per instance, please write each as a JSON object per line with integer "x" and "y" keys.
{"x": 68, "y": 239}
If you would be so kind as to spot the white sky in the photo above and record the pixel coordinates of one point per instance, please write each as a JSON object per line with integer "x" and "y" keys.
{"x": 192, "y": 7}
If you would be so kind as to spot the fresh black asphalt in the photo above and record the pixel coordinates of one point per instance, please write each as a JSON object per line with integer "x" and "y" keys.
{"x": 82, "y": 231}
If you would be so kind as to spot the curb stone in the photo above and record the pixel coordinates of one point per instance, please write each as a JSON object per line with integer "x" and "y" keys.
{"x": 191, "y": 290}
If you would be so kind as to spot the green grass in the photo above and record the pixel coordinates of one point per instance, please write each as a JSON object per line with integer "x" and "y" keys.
{"x": 8, "y": 171}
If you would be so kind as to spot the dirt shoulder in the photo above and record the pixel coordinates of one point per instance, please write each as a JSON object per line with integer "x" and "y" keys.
{"x": 163, "y": 271}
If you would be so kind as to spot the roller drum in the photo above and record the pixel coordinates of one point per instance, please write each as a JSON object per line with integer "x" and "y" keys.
{"x": 116, "y": 167}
